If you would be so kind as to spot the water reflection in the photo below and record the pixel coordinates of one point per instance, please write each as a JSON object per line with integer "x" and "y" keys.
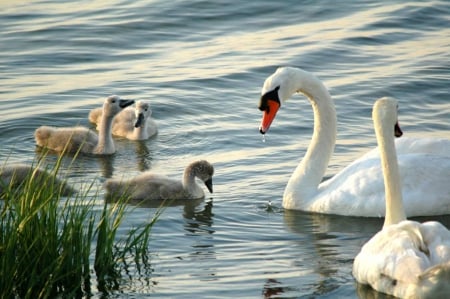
{"x": 76, "y": 163}
{"x": 106, "y": 165}
{"x": 143, "y": 155}
{"x": 366, "y": 292}
{"x": 272, "y": 288}
{"x": 332, "y": 242}
{"x": 198, "y": 225}
{"x": 198, "y": 221}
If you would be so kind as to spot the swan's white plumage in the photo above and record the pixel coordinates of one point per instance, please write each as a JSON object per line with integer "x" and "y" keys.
{"x": 73, "y": 139}
{"x": 152, "y": 186}
{"x": 406, "y": 259}
{"x": 358, "y": 189}
{"x": 126, "y": 123}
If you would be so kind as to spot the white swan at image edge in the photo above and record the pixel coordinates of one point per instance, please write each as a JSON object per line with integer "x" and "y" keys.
{"x": 406, "y": 259}
{"x": 357, "y": 190}
{"x": 73, "y": 139}
{"x": 134, "y": 123}
{"x": 152, "y": 186}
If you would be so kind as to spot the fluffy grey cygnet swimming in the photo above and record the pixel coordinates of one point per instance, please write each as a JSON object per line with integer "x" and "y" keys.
{"x": 72, "y": 139}
{"x": 15, "y": 175}
{"x": 152, "y": 186}
{"x": 134, "y": 123}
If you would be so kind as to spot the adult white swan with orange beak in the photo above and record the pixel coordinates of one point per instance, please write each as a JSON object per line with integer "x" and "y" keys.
{"x": 358, "y": 189}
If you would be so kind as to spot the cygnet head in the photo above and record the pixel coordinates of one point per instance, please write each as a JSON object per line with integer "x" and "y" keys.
{"x": 114, "y": 104}
{"x": 386, "y": 110}
{"x": 204, "y": 171}
{"x": 142, "y": 112}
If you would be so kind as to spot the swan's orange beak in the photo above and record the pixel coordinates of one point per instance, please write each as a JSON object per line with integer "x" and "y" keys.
{"x": 268, "y": 115}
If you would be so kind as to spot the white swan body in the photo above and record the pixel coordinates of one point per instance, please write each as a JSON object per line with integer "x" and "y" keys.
{"x": 358, "y": 189}
{"x": 13, "y": 176}
{"x": 406, "y": 259}
{"x": 73, "y": 139}
{"x": 151, "y": 186}
{"x": 132, "y": 123}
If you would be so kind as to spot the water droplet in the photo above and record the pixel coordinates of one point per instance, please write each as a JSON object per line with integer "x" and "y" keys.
{"x": 264, "y": 138}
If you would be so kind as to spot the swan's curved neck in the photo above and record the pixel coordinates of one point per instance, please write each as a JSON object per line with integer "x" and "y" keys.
{"x": 105, "y": 141}
{"x": 307, "y": 176}
{"x": 395, "y": 212}
{"x": 189, "y": 183}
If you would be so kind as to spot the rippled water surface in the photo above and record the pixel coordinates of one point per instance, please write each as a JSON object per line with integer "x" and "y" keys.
{"x": 201, "y": 64}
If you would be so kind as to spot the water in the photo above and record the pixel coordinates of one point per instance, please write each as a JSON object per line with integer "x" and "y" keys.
{"x": 202, "y": 65}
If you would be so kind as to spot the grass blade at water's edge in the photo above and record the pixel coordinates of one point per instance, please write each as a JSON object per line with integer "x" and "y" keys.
{"x": 51, "y": 244}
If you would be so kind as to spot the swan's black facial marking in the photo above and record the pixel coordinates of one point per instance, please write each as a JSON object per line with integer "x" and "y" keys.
{"x": 271, "y": 95}
{"x": 397, "y": 131}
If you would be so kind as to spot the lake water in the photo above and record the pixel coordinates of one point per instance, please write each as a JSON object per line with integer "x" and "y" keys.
{"x": 201, "y": 64}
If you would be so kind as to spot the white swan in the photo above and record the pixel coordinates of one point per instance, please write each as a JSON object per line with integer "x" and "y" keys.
{"x": 72, "y": 139}
{"x": 405, "y": 259}
{"x": 358, "y": 190}
{"x": 131, "y": 123}
{"x": 14, "y": 176}
{"x": 151, "y": 186}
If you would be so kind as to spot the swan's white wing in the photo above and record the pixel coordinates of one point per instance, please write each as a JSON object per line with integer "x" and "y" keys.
{"x": 410, "y": 145}
{"x": 398, "y": 259}
{"x": 358, "y": 190}
{"x": 95, "y": 115}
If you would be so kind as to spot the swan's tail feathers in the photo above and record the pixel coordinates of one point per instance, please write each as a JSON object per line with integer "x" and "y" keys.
{"x": 437, "y": 281}
{"x": 95, "y": 115}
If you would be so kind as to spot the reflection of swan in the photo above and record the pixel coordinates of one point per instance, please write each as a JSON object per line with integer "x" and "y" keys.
{"x": 132, "y": 123}
{"x": 151, "y": 186}
{"x": 143, "y": 156}
{"x": 406, "y": 258}
{"x": 80, "y": 138}
{"x": 358, "y": 189}
{"x": 16, "y": 175}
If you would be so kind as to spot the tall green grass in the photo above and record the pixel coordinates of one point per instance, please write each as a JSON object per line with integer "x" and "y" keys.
{"x": 51, "y": 245}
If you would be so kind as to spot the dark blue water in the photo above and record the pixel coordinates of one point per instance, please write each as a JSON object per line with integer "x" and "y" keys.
{"x": 201, "y": 65}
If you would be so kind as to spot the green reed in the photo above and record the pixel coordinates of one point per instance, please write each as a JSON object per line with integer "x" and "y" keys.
{"x": 51, "y": 245}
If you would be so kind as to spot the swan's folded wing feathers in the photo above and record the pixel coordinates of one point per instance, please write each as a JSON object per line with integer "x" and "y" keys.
{"x": 397, "y": 257}
{"x": 430, "y": 145}
{"x": 363, "y": 179}
{"x": 95, "y": 115}
{"x": 172, "y": 190}
{"x": 437, "y": 238}
{"x": 344, "y": 191}
{"x": 69, "y": 139}
{"x": 153, "y": 186}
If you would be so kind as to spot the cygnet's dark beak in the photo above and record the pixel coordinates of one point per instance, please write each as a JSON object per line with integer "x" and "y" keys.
{"x": 209, "y": 185}
{"x": 139, "y": 120}
{"x": 125, "y": 103}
